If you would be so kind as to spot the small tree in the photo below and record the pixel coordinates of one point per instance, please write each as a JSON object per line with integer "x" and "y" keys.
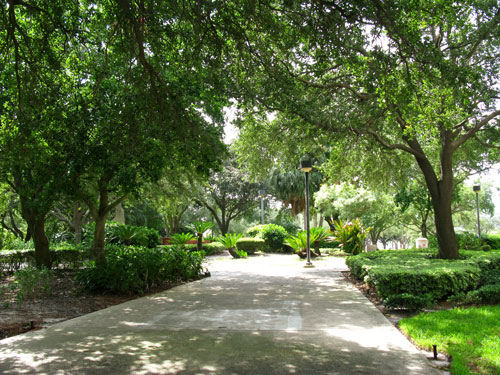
{"x": 199, "y": 228}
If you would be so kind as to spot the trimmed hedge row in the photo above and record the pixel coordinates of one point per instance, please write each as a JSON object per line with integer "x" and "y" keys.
{"x": 13, "y": 260}
{"x": 416, "y": 278}
{"x": 250, "y": 245}
{"x": 211, "y": 248}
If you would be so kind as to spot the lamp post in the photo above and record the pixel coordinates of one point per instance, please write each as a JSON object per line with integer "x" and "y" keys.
{"x": 262, "y": 194}
{"x": 477, "y": 189}
{"x": 306, "y": 166}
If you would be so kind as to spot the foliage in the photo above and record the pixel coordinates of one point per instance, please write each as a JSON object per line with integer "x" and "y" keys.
{"x": 374, "y": 208}
{"x": 469, "y": 336}
{"x": 351, "y": 236}
{"x": 299, "y": 242}
{"x": 415, "y": 88}
{"x": 272, "y": 234}
{"x": 410, "y": 278}
{"x": 200, "y": 227}
{"x": 132, "y": 235}
{"x": 229, "y": 240}
{"x": 250, "y": 245}
{"x": 493, "y": 241}
{"x": 468, "y": 241}
{"x": 33, "y": 283}
{"x": 228, "y": 195}
{"x": 241, "y": 253}
{"x": 212, "y": 248}
{"x": 134, "y": 270}
{"x": 181, "y": 239}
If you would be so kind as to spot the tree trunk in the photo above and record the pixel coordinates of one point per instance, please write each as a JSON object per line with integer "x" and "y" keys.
{"x": 445, "y": 231}
{"x": 78, "y": 222}
{"x": 119, "y": 214}
{"x": 315, "y": 219}
{"x": 441, "y": 191}
{"x": 200, "y": 241}
{"x": 42, "y": 252}
{"x": 98, "y": 253}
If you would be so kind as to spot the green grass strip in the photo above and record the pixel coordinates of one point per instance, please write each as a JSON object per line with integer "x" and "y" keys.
{"x": 470, "y": 336}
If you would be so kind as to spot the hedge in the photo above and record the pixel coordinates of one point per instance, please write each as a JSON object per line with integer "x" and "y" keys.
{"x": 14, "y": 260}
{"x": 250, "y": 245}
{"x": 211, "y": 248}
{"x": 417, "y": 278}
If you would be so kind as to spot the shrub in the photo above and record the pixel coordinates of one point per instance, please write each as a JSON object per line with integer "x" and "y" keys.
{"x": 409, "y": 301}
{"x": 485, "y": 294}
{"x": 132, "y": 235}
{"x": 211, "y": 248}
{"x": 229, "y": 240}
{"x": 181, "y": 239}
{"x": 33, "y": 283}
{"x": 137, "y": 269}
{"x": 250, "y": 245}
{"x": 272, "y": 234}
{"x": 492, "y": 241}
{"x": 351, "y": 236}
{"x": 470, "y": 241}
{"x": 395, "y": 274}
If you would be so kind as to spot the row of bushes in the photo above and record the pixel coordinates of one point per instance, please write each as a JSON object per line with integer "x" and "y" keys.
{"x": 470, "y": 241}
{"x": 67, "y": 258}
{"x": 211, "y": 248}
{"x": 134, "y": 270}
{"x": 417, "y": 278}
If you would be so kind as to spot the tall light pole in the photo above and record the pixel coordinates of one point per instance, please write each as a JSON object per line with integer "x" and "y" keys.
{"x": 306, "y": 166}
{"x": 262, "y": 194}
{"x": 477, "y": 189}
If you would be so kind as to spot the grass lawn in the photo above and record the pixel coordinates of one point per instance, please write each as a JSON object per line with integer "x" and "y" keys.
{"x": 471, "y": 336}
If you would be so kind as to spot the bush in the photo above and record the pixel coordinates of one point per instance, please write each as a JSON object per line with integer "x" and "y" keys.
{"x": 33, "y": 283}
{"x": 409, "y": 301}
{"x": 470, "y": 241}
{"x": 272, "y": 234}
{"x": 132, "y": 235}
{"x": 492, "y": 241}
{"x": 396, "y": 274}
{"x": 250, "y": 245}
{"x": 137, "y": 269}
{"x": 485, "y": 294}
{"x": 211, "y": 248}
{"x": 351, "y": 236}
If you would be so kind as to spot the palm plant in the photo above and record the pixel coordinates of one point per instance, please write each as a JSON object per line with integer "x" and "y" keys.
{"x": 299, "y": 243}
{"x": 182, "y": 239}
{"x": 229, "y": 241}
{"x": 351, "y": 236}
{"x": 128, "y": 232}
{"x": 321, "y": 234}
{"x": 200, "y": 227}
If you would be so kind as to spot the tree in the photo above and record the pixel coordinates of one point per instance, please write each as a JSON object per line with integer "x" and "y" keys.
{"x": 33, "y": 108}
{"x": 375, "y": 209}
{"x": 228, "y": 195}
{"x": 417, "y": 77}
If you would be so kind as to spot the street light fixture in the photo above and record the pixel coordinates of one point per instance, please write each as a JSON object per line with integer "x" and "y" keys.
{"x": 306, "y": 166}
{"x": 262, "y": 194}
{"x": 477, "y": 189}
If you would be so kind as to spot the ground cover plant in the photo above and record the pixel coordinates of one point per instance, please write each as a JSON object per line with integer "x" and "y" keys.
{"x": 470, "y": 336}
{"x": 417, "y": 278}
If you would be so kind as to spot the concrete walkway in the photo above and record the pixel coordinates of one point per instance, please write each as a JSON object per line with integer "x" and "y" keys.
{"x": 262, "y": 315}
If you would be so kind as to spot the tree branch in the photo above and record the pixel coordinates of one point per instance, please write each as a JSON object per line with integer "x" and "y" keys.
{"x": 474, "y": 130}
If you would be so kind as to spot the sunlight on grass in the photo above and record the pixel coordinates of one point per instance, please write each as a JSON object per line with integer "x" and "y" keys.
{"x": 471, "y": 336}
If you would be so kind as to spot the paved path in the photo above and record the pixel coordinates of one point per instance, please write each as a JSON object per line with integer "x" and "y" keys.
{"x": 263, "y": 315}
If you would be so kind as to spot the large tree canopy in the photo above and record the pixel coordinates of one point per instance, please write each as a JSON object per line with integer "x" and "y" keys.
{"x": 97, "y": 98}
{"x": 416, "y": 77}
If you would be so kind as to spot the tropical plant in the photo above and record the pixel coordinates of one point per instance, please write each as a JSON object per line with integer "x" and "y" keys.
{"x": 351, "y": 236}
{"x": 321, "y": 234}
{"x": 299, "y": 243}
{"x": 229, "y": 240}
{"x": 200, "y": 227}
{"x": 182, "y": 239}
{"x": 128, "y": 232}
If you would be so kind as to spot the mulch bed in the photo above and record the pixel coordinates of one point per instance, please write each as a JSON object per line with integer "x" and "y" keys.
{"x": 66, "y": 301}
